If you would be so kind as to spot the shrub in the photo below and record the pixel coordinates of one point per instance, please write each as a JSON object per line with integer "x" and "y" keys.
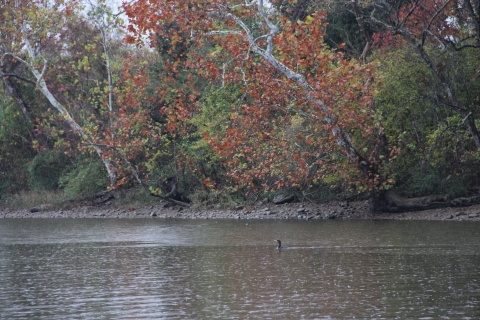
{"x": 426, "y": 183}
{"x": 85, "y": 179}
{"x": 45, "y": 170}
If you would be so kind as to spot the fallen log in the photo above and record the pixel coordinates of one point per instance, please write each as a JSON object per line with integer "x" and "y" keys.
{"x": 392, "y": 202}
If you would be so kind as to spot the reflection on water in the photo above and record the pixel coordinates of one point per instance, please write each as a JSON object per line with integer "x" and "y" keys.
{"x": 103, "y": 269}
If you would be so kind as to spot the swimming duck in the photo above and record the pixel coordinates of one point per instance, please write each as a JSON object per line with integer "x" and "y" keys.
{"x": 280, "y": 247}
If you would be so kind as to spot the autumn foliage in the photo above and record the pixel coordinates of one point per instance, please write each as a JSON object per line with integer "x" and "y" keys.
{"x": 244, "y": 96}
{"x": 70, "y": 62}
{"x": 280, "y": 132}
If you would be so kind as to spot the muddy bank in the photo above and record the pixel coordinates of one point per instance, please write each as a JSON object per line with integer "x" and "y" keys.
{"x": 293, "y": 211}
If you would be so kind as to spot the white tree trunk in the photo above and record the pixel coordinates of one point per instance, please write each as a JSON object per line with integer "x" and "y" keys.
{"x": 343, "y": 140}
{"x": 42, "y": 86}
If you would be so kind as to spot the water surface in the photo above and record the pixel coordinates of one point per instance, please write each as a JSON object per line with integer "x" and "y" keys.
{"x": 230, "y": 269}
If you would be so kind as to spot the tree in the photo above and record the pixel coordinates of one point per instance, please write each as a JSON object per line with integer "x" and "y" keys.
{"x": 96, "y": 86}
{"x": 29, "y": 36}
{"x": 432, "y": 29}
{"x": 15, "y": 146}
{"x": 286, "y": 71}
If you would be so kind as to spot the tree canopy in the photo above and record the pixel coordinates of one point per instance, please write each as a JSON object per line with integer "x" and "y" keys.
{"x": 246, "y": 97}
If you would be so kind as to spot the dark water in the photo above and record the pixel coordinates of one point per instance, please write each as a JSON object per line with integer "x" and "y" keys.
{"x": 179, "y": 269}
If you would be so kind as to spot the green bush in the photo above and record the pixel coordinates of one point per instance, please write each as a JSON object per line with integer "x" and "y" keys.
{"x": 84, "y": 179}
{"x": 45, "y": 170}
{"x": 422, "y": 184}
{"x": 15, "y": 147}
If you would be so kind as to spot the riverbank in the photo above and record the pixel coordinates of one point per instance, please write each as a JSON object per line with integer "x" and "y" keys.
{"x": 292, "y": 211}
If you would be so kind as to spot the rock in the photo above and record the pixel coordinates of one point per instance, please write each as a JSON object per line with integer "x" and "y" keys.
{"x": 283, "y": 198}
{"x": 167, "y": 205}
{"x": 473, "y": 215}
{"x": 331, "y": 215}
{"x": 300, "y": 210}
{"x": 449, "y": 217}
{"x": 42, "y": 207}
{"x": 344, "y": 204}
{"x": 153, "y": 214}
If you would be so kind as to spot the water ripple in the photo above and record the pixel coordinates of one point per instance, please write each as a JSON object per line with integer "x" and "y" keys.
{"x": 197, "y": 270}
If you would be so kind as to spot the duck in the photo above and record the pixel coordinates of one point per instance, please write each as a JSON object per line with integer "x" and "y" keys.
{"x": 280, "y": 247}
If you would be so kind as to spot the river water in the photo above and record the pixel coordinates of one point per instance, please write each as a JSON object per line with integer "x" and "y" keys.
{"x": 231, "y": 269}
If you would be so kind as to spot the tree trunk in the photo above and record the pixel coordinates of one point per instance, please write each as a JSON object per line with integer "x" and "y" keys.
{"x": 448, "y": 88}
{"x": 42, "y": 86}
{"x": 15, "y": 94}
{"x": 366, "y": 34}
{"x": 342, "y": 138}
{"x": 470, "y": 122}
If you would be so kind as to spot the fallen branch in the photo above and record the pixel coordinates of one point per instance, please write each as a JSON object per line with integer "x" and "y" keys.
{"x": 135, "y": 173}
{"x": 392, "y": 202}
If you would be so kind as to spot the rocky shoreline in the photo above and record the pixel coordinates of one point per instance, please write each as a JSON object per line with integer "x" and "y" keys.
{"x": 266, "y": 210}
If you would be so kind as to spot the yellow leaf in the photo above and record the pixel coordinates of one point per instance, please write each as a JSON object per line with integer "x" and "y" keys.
{"x": 309, "y": 20}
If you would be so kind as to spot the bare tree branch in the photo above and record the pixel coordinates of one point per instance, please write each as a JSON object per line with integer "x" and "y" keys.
{"x": 427, "y": 28}
{"x": 142, "y": 183}
{"x": 3, "y": 75}
{"x": 343, "y": 140}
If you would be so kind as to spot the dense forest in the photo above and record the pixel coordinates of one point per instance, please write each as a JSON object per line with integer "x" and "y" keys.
{"x": 198, "y": 101}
